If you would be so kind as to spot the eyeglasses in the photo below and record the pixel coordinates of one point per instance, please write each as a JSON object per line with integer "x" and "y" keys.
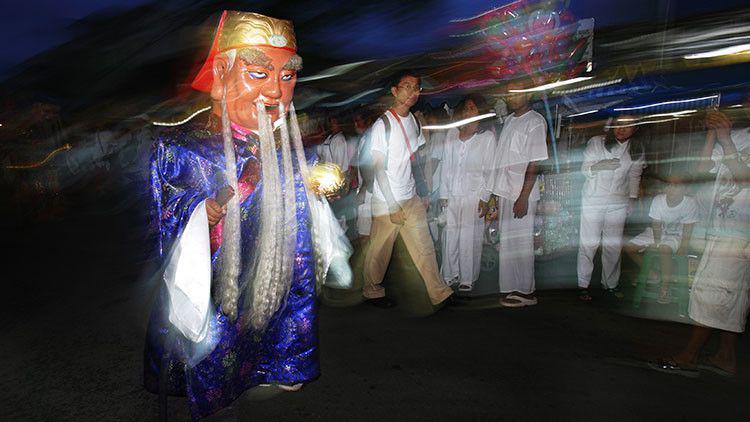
{"x": 410, "y": 87}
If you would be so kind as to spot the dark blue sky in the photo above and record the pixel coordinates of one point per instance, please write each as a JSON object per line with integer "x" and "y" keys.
{"x": 31, "y": 26}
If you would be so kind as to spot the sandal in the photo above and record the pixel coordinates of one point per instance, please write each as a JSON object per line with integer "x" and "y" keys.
{"x": 584, "y": 295}
{"x": 669, "y": 366}
{"x": 516, "y": 301}
{"x": 465, "y": 287}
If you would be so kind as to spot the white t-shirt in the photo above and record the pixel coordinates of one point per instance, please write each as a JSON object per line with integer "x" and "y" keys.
{"x": 686, "y": 212}
{"x": 466, "y": 164}
{"x": 731, "y": 208}
{"x": 522, "y": 140}
{"x": 397, "y": 155}
{"x": 334, "y": 150}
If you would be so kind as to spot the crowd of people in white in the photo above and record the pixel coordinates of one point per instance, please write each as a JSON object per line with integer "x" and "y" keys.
{"x": 440, "y": 187}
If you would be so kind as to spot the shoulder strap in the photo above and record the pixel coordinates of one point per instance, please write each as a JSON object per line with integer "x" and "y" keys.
{"x": 387, "y": 127}
{"x": 387, "y": 124}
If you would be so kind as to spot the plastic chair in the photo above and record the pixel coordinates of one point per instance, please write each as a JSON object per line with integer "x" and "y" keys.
{"x": 678, "y": 287}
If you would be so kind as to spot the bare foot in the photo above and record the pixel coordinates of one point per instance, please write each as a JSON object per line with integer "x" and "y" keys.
{"x": 728, "y": 366}
{"x": 685, "y": 361}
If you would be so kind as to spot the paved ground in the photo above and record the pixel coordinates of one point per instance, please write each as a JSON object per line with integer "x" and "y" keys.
{"x": 76, "y": 299}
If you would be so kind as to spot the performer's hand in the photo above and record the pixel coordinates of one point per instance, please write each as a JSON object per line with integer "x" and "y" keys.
{"x": 214, "y": 211}
{"x": 521, "y": 207}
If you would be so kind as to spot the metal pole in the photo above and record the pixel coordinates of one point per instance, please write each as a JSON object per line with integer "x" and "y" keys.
{"x": 551, "y": 132}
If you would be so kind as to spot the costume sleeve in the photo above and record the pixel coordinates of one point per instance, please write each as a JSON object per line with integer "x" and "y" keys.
{"x": 180, "y": 182}
{"x": 177, "y": 185}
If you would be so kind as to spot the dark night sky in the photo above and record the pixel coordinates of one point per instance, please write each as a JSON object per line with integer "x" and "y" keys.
{"x": 31, "y": 26}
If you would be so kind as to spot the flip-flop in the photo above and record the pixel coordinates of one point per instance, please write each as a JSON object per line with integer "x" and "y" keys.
{"x": 518, "y": 301}
{"x": 710, "y": 367}
{"x": 465, "y": 287}
{"x": 668, "y": 366}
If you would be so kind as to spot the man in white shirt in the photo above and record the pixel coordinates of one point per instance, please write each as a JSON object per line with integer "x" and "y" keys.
{"x": 521, "y": 145}
{"x": 396, "y": 208}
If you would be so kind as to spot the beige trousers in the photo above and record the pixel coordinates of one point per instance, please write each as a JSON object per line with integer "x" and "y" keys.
{"x": 416, "y": 236}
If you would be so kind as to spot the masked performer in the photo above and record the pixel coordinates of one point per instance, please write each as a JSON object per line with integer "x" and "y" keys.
{"x": 238, "y": 308}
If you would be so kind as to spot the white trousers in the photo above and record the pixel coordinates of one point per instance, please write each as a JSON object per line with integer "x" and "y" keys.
{"x": 462, "y": 240}
{"x": 516, "y": 249}
{"x": 602, "y": 221}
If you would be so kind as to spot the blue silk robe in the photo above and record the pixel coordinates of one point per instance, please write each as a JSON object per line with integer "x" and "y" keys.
{"x": 187, "y": 166}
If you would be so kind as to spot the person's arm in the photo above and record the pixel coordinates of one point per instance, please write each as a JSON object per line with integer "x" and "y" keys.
{"x": 656, "y": 227}
{"x": 722, "y": 126}
{"x": 687, "y": 232}
{"x": 706, "y": 162}
{"x": 535, "y": 151}
{"x": 521, "y": 206}
{"x": 378, "y": 164}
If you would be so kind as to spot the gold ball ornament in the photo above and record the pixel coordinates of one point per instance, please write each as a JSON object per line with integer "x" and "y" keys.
{"x": 326, "y": 179}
